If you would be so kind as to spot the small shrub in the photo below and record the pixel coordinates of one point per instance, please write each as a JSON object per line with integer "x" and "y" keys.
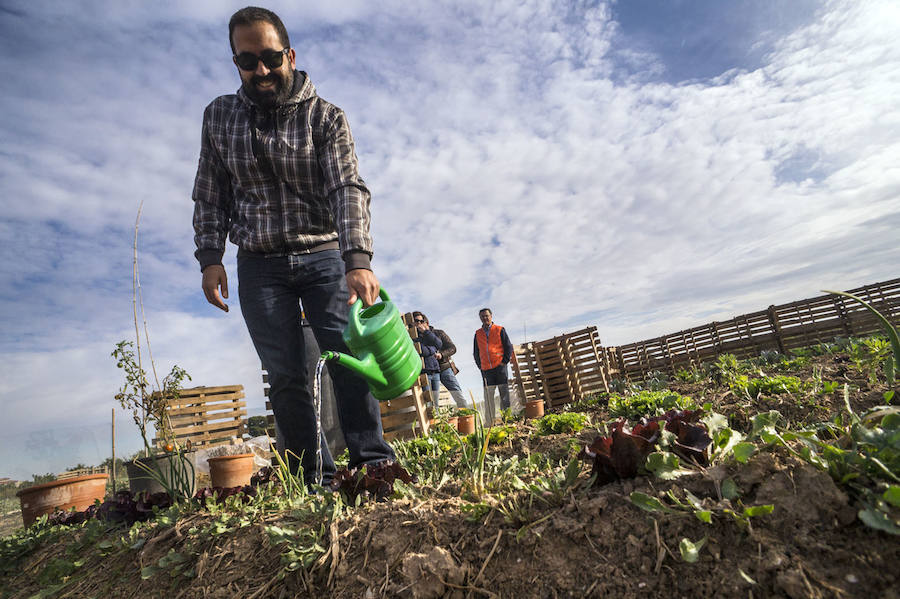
{"x": 691, "y": 375}
{"x": 655, "y": 380}
{"x": 870, "y": 355}
{"x": 725, "y": 369}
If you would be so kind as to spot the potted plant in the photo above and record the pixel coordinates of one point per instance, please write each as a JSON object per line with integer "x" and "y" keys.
{"x": 171, "y": 470}
{"x": 466, "y": 421}
{"x": 79, "y": 492}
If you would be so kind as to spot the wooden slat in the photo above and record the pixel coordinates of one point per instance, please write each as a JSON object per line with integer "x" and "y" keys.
{"x": 203, "y": 410}
{"x": 396, "y": 419}
{"x": 401, "y": 403}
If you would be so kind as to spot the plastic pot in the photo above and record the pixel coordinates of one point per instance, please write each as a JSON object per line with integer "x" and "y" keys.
{"x": 79, "y": 492}
{"x": 231, "y": 470}
{"x": 140, "y": 480}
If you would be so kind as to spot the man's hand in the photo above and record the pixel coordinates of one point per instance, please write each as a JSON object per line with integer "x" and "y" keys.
{"x": 363, "y": 285}
{"x": 214, "y": 278}
{"x": 438, "y": 355}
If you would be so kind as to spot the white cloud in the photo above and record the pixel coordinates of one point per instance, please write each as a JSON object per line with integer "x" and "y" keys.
{"x": 512, "y": 165}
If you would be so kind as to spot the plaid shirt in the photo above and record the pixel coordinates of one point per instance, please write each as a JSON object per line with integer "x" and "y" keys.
{"x": 317, "y": 196}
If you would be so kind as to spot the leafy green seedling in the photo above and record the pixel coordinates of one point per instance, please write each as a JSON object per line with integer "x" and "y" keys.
{"x": 690, "y": 552}
{"x": 650, "y": 504}
{"x": 665, "y": 465}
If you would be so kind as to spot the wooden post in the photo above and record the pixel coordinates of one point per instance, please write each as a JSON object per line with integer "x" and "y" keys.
{"x": 113, "y": 434}
{"x": 417, "y": 393}
{"x": 776, "y": 328}
{"x": 838, "y": 301}
{"x": 749, "y": 332}
{"x": 717, "y": 341}
{"x": 665, "y": 341}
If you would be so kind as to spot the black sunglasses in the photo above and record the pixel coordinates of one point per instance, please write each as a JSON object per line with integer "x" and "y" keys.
{"x": 271, "y": 58}
{"x": 419, "y": 320}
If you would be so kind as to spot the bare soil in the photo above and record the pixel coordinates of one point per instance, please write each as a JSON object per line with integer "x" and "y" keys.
{"x": 596, "y": 544}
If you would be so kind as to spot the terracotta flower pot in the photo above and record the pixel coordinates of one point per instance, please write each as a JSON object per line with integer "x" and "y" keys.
{"x": 466, "y": 424}
{"x": 231, "y": 470}
{"x": 78, "y": 492}
{"x": 534, "y": 408}
{"x": 453, "y": 421}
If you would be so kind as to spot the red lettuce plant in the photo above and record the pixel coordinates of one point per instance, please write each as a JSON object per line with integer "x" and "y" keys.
{"x": 623, "y": 453}
{"x": 691, "y": 437}
{"x": 371, "y": 481}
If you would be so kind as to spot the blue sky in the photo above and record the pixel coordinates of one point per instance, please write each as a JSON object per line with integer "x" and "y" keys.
{"x": 640, "y": 166}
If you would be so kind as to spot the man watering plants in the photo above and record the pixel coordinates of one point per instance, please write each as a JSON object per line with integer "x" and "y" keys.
{"x": 278, "y": 176}
{"x": 493, "y": 351}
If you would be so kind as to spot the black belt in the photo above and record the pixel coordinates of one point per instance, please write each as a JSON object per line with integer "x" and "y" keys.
{"x": 328, "y": 245}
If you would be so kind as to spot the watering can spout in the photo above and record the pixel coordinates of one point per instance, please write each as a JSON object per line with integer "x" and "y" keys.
{"x": 366, "y": 368}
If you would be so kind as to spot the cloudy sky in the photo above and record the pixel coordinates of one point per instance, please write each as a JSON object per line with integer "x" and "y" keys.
{"x": 642, "y": 166}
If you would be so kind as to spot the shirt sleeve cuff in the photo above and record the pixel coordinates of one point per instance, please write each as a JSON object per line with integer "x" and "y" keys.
{"x": 354, "y": 259}
{"x": 208, "y": 258}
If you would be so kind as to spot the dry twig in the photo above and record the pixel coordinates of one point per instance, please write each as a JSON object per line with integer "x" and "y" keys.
{"x": 489, "y": 556}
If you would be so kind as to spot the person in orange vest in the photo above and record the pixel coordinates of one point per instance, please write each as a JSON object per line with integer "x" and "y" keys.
{"x": 493, "y": 351}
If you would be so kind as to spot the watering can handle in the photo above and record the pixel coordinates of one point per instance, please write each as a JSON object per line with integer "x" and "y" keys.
{"x": 357, "y": 306}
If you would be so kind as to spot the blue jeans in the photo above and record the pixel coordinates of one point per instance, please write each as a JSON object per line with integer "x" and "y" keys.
{"x": 434, "y": 381}
{"x": 456, "y": 392}
{"x": 270, "y": 291}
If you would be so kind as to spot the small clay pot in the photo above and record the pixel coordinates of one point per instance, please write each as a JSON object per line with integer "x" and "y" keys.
{"x": 453, "y": 421}
{"x": 534, "y": 408}
{"x": 78, "y": 492}
{"x": 466, "y": 424}
{"x": 231, "y": 470}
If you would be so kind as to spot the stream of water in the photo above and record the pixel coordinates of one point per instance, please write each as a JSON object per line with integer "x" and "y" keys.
{"x": 317, "y": 401}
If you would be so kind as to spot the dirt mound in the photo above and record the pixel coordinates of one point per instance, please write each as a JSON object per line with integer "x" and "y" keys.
{"x": 439, "y": 542}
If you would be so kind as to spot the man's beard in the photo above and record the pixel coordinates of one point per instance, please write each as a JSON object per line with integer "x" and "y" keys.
{"x": 270, "y": 98}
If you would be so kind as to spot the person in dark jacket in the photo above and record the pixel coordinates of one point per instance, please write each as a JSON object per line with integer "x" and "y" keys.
{"x": 430, "y": 346}
{"x": 448, "y": 369}
{"x": 493, "y": 351}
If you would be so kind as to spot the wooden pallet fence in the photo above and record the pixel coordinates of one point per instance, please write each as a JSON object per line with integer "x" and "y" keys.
{"x": 81, "y": 472}
{"x": 561, "y": 369}
{"x": 782, "y": 328}
{"x": 208, "y": 416}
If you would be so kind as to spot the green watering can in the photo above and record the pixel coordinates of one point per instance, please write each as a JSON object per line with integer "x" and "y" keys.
{"x": 385, "y": 355}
